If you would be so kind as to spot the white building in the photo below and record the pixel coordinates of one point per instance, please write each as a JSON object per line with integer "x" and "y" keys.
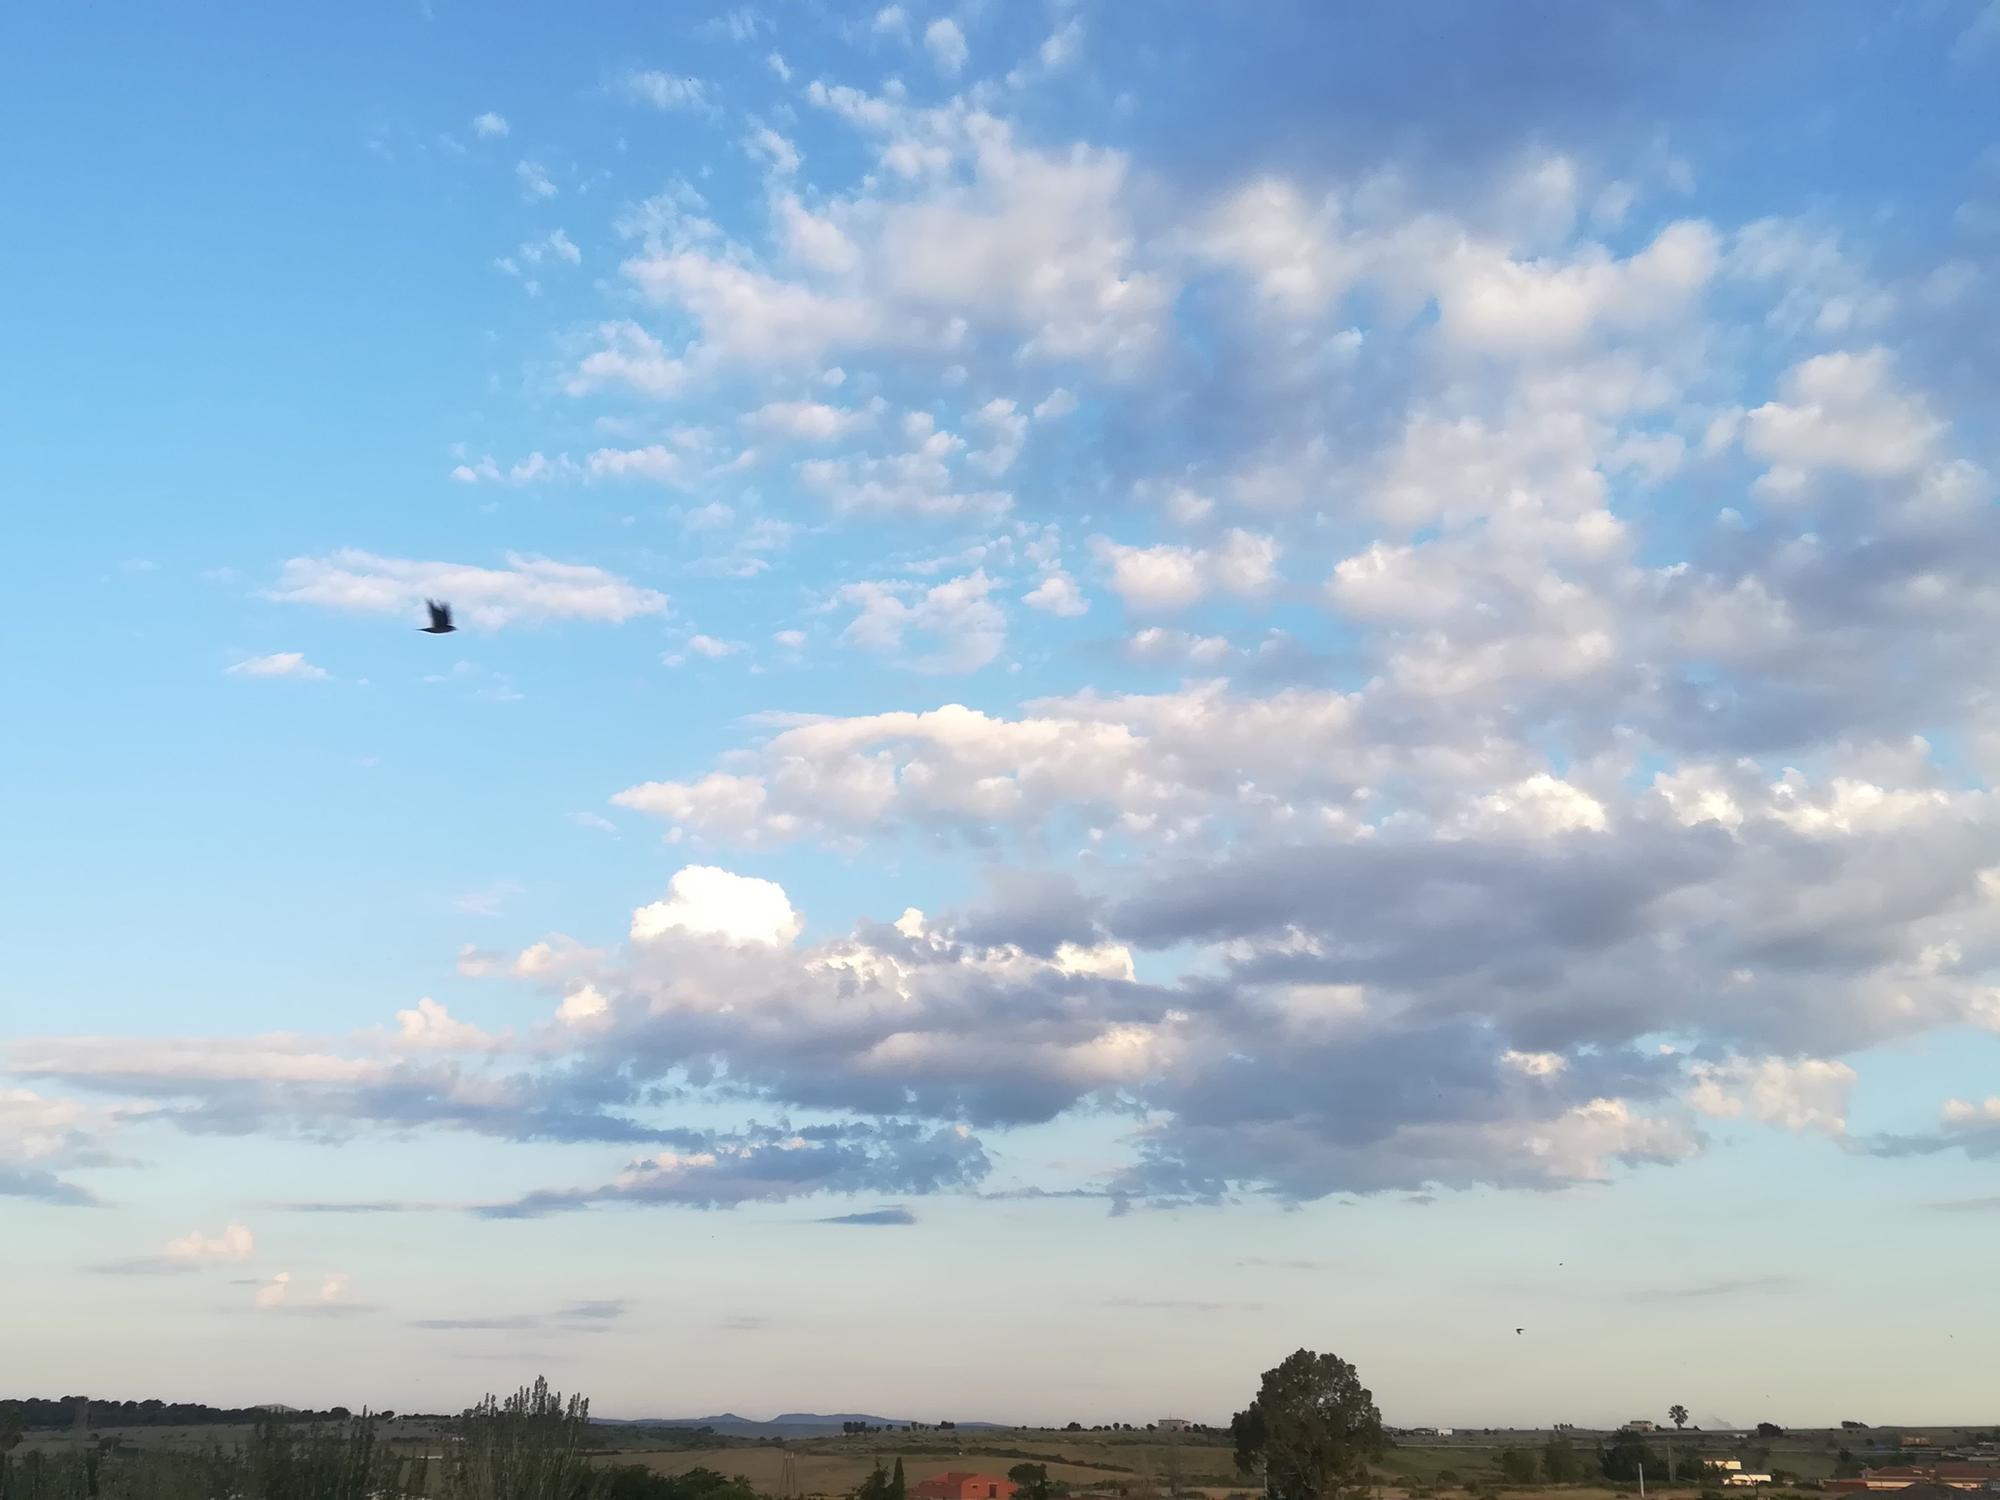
{"x": 1745, "y": 1481}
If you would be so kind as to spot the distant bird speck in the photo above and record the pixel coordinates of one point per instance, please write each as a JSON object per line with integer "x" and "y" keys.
{"x": 1517, "y": 1330}
{"x": 440, "y": 618}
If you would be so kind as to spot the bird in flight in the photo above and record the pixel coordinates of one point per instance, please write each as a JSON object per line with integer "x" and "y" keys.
{"x": 440, "y": 619}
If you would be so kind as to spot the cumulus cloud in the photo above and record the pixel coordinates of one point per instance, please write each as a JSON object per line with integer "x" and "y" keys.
{"x": 1841, "y": 411}
{"x": 1600, "y": 740}
{"x": 1057, "y": 594}
{"x": 959, "y": 626}
{"x": 946, "y": 45}
{"x": 1165, "y": 578}
{"x": 490, "y": 126}
{"x": 529, "y": 590}
{"x": 707, "y": 902}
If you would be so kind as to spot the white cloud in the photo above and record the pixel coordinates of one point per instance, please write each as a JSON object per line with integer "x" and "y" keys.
{"x": 946, "y": 45}
{"x": 707, "y": 902}
{"x": 1059, "y": 402}
{"x": 707, "y": 647}
{"x": 1808, "y": 1093}
{"x": 1841, "y": 411}
{"x": 958, "y": 621}
{"x": 631, "y": 358}
{"x": 489, "y": 126}
{"x": 1164, "y": 577}
{"x": 234, "y": 1243}
{"x": 529, "y": 590}
{"x": 429, "y": 1026}
{"x": 1493, "y": 303}
{"x": 274, "y": 1292}
{"x": 535, "y": 182}
{"x": 891, "y": 20}
{"x": 1062, "y": 45}
{"x": 806, "y": 421}
{"x": 1158, "y": 645}
{"x": 279, "y": 664}
{"x": 663, "y": 90}
{"x": 776, "y": 151}
{"x": 1057, "y": 594}
{"x": 655, "y": 462}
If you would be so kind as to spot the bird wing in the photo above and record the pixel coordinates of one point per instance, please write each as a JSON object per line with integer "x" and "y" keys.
{"x": 440, "y": 613}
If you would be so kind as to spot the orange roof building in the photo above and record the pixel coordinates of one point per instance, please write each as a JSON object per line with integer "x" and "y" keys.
{"x": 958, "y": 1486}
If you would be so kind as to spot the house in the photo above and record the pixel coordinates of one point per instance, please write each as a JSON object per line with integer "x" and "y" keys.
{"x": 1737, "y": 1477}
{"x": 1908, "y": 1480}
{"x": 1727, "y": 1465}
{"x": 1172, "y": 1424}
{"x": 965, "y": 1486}
{"x": 1640, "y": 1424}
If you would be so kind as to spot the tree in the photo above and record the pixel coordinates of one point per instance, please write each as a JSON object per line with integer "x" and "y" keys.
{"x": 1626, "y": 1456}
{"x": 1313, "y": 1427}
{"x": 898, "y": 1490}
{"x": 1561, "y": 1462}
{"x": 10, "y": 1427}
{"x": 1769, "y": 1429}
{"x": 1678, "y": 1415}
{"x": 1033, "y": 1480}
{"x": 1519, "y": 1466}
{"x": 875, "y": 1486}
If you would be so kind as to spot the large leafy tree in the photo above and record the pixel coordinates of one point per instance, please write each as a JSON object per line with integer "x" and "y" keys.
{"x": 1678, "y": 1415}
{"x": 1313, "y": 1428}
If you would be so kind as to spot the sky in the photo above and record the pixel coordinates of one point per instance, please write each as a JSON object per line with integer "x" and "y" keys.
{"x": 1137, "y": 685}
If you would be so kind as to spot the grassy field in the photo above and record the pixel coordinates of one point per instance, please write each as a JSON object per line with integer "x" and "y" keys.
{"x": 1100, "y": 1462}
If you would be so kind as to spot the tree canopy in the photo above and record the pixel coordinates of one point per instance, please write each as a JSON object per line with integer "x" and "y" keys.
{"x": 1313, "y": 1427}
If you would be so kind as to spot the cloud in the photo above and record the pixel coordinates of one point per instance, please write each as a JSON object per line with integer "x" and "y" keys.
{"x": 1809, "y": 1094}
{"x": 279, "y": 664}
{"x": 534, "y": 180}
{"x": 959, "y": 623}
{"x": 1165, "y": 578}
{"x": 874, "y": 1218}
{"x": 1840, "y": 411}
{"x": 806, "y": 421}
{"x": 664, "y": 91}
{"x": 38, "y": 1136}
{"x": 1735, "y": 1286}
{"x": 777, "y": 152}
{"x": 946, "y": 45}
{"x": 489, "y": 126}
{"x": 43, "y": 1186}
{"x": 577, "y": 1317}
{"x": 772, "y": 1164}
{"x": 707, "y": 647}
{"x": 234, "y": 1243}
{"x": 704, "y": 901}
{"x": 529, "y": 590}
{"x": 1057, "y": 594}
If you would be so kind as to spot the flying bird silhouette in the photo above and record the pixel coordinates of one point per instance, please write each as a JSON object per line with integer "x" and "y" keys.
{"x": 440, "y": 619}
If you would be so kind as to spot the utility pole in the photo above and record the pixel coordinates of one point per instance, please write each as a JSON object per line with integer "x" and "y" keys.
{"x": 1642, "y": 1480}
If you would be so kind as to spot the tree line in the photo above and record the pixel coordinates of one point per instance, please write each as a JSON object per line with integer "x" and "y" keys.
{"x": 533, "y": 1445}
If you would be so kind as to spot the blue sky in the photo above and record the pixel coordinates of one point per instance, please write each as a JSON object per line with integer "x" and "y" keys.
{"x": 1296, "y": 674}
